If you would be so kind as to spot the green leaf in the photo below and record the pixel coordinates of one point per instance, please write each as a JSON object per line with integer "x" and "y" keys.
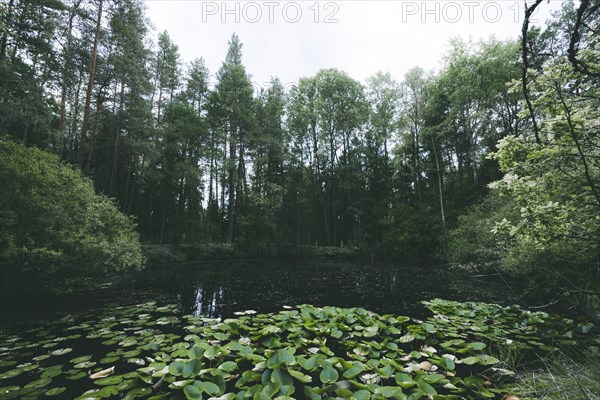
{"x": 281, "y": 377}
{"x": 228, "y": 366}
{"x": 405, "y": 380}
{"x": 281, "y": 357}
{"x": 477, "y": 346}
{"x": 192, "y": 392}
{"x": 389, "y": 391}
{"x": 447, "y": 363}
{"x": 311, "y": 393}
{"x": 192, "y": 368}
{"x": 329, "y": 375}
{"x": 38, "y": 383}
{"x": 176, "y": 368}
{"x": 426, "y": 387}
{"x": 55, "y": 391}
{"x": 196, "y": 352}
{"x": 60, "y": 352}
{"x": 470, "y": 360}
{"x": 210, "y": 388}
{"x": 108, "y": 391}
{"x": 109, "y": 381}
{"x": 300, "y": 376}
{"x": 361, "y": 395}
{"x": 311, "y": 364}
{"x": 353, "y": 372}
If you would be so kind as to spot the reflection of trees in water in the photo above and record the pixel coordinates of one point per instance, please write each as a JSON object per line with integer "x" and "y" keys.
{"x": 220, "y": 290}
{"x": 202, "y": 299}
{"x": 269, "y": 287}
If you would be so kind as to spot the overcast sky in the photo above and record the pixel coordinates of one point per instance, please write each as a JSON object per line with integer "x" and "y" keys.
{"x": 291, "y": 39}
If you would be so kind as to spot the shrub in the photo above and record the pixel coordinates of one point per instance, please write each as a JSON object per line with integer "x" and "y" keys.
{"x": 55, "y": 231}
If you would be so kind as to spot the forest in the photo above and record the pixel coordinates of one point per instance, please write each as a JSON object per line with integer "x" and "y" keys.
{"x": 111, "y": 143}
{"x": 502, "y": 138}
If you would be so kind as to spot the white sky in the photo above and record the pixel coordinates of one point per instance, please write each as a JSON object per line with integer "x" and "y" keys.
{"x": 291, "y": 39}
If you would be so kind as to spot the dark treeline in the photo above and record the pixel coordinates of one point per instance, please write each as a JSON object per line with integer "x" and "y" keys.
{"x": 201, "y": 156}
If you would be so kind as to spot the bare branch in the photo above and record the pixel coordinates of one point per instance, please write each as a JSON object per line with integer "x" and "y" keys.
{"x": 578, "y": 64}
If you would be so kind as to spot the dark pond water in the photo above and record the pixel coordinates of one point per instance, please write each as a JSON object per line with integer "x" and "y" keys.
{"x": 218, "y": 289}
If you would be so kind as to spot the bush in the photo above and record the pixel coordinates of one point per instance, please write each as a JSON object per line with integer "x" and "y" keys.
{"x": 55, "y": 231}
{"x": 473, "y": 241}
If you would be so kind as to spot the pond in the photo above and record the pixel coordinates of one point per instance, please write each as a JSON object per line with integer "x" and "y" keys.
{"x": 49, "y": 347}
{"x": 218, "y": 289}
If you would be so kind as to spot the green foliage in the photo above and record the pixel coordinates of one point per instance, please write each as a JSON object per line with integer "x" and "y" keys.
{"x": 554, "y": 184}
{"x": 473, "y": 240}
{"x": 513, "y": 327}
{"x": 55, "y": 230}
{"x": 145, "y": 351}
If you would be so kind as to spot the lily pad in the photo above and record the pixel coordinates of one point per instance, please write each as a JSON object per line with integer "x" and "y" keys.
{"x": 55, "y": 391}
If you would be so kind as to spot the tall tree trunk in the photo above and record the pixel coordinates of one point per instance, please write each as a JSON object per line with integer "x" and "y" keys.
{"x": 211, "y": 202}
{"x": 159, "y": 102}
{"x": 223, "y": 180}
{"x": 127, "y": 188}
{"x": 65, "y": 78}
{"x": 4, "y": 40}
{"x": 117, "y": 143}
{"x": 440, "y": 188}
{"x": 232, "y": 183}
{"x": 149, "y": 213}
{"x": 88, "y": 96}
{"x": 74, "y": 113}
{"x": 18, "y": 34}
{"x": 115, "y": 163}
{"x": 163, "y": 222}
{"x": 94, "y": 131}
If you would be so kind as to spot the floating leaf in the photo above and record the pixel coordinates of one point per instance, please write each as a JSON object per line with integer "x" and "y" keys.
{"x": 281, "y": 357}
{"x": 38, "y": 383}
{"x": 60, "y": 352}
{"x": 329, "y": 375}
{"x": 55, "y": 391}
{"x": 111, "y": 380}
{"x": 353, "y": 372}
{"x": 192, "y": 392}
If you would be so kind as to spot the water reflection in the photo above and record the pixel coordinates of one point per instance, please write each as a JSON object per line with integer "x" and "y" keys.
{"x": 201, "y": 299}
{"x": 222, "y": 288}
{"x": 206, "y": 302}
{"x": 219, "y": 290}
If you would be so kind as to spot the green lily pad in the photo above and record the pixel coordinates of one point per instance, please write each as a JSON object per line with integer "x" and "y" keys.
{"x": 39, "y": 383}
{"x": 60, "y": 352}
{"x": 55, "y": 391}
{"x": 109, "y": 381}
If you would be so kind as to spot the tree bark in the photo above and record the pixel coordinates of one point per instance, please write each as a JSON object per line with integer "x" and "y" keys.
{"x": 64, "y": 86}
{"x": 4, "y": 40}
{"x": 117, "y": 144}
{"x": 232, "y": 183}
{"x": 441, "y": 191}
{"x": 90, "y": 86}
